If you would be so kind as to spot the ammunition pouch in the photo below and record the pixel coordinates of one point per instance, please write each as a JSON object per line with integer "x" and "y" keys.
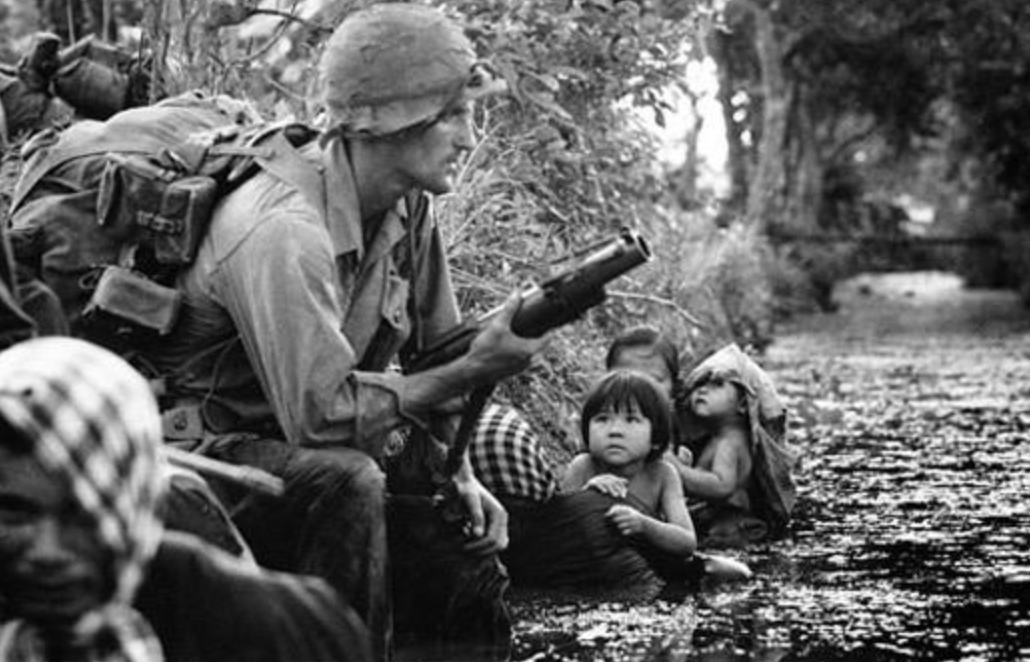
{"x": 168, "y": 209}
{"x": 123, "y": 296}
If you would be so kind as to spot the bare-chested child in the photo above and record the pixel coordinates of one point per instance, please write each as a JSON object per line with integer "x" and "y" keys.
{"x": 734, "y": 410}
{"x": 722, "y": 468}
{"x": 626, "y": 426}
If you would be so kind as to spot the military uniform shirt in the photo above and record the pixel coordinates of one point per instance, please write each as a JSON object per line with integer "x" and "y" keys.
{"x": 291, "y": 320}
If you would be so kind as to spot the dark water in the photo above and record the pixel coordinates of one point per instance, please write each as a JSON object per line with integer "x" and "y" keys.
{"x": 912, "y": 535}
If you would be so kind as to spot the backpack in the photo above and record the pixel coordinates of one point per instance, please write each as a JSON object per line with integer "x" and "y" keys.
{"x": 108, "y": 213}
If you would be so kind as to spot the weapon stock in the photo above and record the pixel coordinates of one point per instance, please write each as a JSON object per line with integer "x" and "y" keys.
{"x": 245, "y": 476}
{"x": 557, "y": 301}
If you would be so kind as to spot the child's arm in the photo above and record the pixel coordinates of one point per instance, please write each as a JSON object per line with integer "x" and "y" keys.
{"x": 680, "y": 458}
{"x": 676, "y": 534}
{"x": 722, "y": 478}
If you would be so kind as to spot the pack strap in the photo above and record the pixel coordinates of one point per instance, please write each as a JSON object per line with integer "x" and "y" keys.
{"x": 48, "y": 157}
{"x": 285, "y": 163}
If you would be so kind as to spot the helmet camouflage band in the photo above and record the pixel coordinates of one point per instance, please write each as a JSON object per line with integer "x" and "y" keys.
{"x": 392, "y": 66}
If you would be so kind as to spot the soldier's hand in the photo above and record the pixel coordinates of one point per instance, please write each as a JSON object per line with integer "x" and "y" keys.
{"x": 488, "y": 520}
{"x": 497, "y": 352}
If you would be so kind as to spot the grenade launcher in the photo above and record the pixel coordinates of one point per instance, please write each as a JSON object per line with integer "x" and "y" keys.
{"x": 557, "y": 301}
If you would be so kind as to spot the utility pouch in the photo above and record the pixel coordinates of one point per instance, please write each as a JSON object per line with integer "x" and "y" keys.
{"x": 131, "y": 297}
{"x": 167, "y": 207}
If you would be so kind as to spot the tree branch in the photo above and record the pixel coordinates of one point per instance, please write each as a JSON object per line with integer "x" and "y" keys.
{"x": 669, "y": 303}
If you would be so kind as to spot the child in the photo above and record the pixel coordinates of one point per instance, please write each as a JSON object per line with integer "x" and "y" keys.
{"x": 648, "y": 350}
{"x": 741, "y": 475}
{"x": 626, "y": 426}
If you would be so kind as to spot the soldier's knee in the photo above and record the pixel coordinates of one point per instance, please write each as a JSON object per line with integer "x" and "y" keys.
{"x": 349, "y": 471}
{"x": 367, "y": 476}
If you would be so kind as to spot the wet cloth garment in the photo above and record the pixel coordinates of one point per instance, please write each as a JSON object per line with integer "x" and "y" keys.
{"x": 190, "y": 505}
{"x": 95, "y": 424}
{"x": 508, "y": 458}
{"x": 771, "y": 490}
{"x": 330, "y": 523}
{"x": 726, "y": 526}
{"x": 207, "y": 607}
{"x": 568, "y": 542}
{"x": 441, "y": 593}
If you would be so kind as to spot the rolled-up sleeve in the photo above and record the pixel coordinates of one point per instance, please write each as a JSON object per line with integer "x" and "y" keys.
{"x": 278, "y": 287}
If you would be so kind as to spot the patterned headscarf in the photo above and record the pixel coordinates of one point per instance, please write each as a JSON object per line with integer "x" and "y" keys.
{"x": 94, "y": 423}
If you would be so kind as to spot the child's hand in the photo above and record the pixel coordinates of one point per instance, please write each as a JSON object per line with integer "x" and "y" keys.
{"x": 680, "y": 457}
{"x": 629, "y": 521}
{"x": 609, "y": 484}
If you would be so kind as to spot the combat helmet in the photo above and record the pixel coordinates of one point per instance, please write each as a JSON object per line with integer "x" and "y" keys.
{"x": 393, "y": 66}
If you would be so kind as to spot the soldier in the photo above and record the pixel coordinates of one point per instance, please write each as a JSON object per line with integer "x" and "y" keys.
{"x": 301, "y": 301}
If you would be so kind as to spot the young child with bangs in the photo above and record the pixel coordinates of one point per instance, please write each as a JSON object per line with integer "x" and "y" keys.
{"x": 626, "y": 425}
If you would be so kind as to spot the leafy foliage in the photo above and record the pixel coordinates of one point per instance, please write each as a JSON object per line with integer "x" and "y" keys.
{"x": 561, "y": 166}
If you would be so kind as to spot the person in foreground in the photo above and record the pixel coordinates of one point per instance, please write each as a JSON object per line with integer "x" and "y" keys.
{"x": 87, "y": 572}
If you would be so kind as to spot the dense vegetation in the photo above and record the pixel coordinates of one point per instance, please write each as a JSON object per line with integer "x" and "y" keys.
{"x": 838, "y": 113}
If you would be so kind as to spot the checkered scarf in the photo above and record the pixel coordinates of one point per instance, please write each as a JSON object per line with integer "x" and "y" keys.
{"x": 507, "y": 456}
{"x": 95, "y": 424}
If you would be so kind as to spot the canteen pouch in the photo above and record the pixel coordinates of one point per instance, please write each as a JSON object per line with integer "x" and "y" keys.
{"x": 132, "y": 297}
{"x": 167, "y": 207}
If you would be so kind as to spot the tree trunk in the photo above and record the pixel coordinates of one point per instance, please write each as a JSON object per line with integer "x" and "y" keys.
{"x": 736, "y": 152}
{"x": 687, "y": 185}
{"x": 766, "y": 193}
{"x": 803, "y": 166}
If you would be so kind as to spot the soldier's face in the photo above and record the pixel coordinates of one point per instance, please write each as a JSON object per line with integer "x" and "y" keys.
{"x": 432, "y": 159}
{"x": 51, "y": 560}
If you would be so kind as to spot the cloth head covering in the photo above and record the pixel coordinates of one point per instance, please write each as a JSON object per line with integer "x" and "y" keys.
{"x": 764, "y": 406}
{"x": 95, "y": 424}
{"x": 508, "y": 458}
{"x": 773, "y": 459}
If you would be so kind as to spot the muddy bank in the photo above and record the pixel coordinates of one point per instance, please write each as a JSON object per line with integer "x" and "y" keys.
{"x": 912, "y": 541}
